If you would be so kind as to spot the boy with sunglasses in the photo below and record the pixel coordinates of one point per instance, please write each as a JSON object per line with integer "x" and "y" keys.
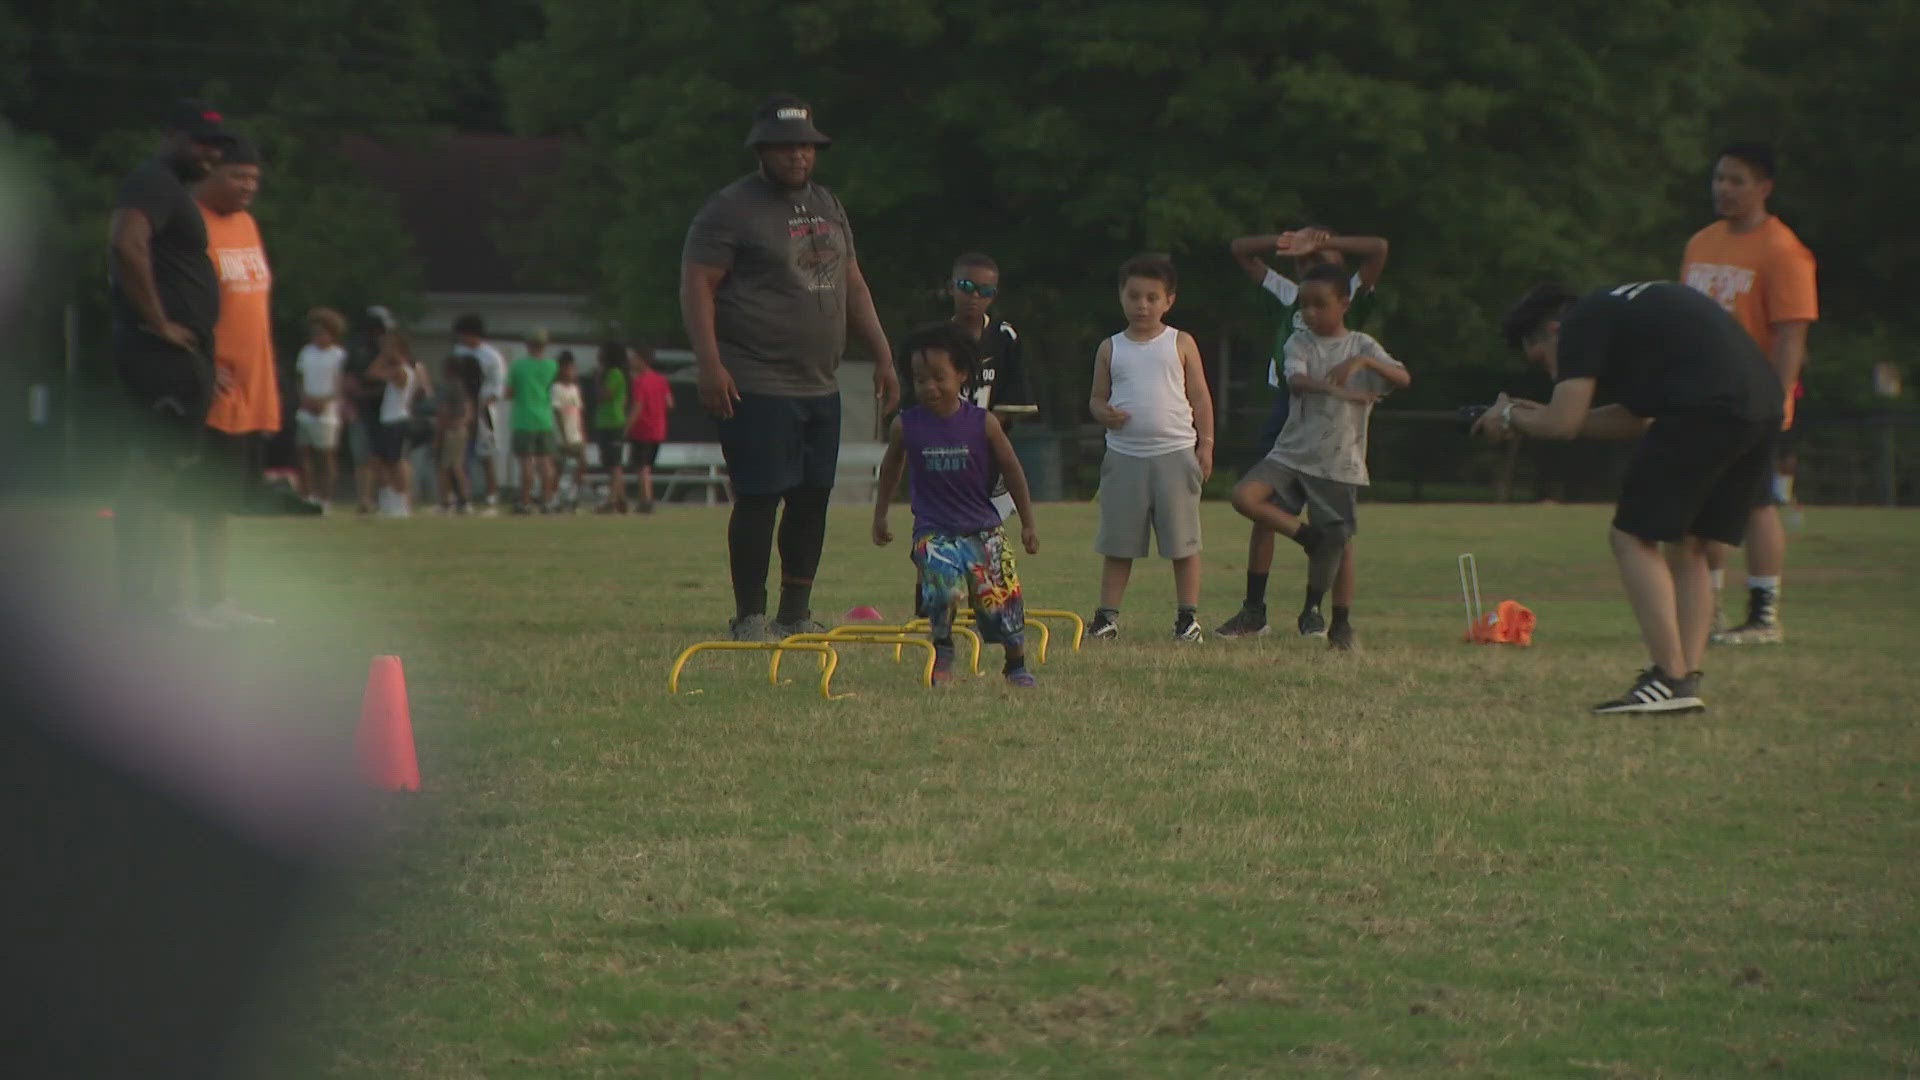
{"x": 999, "y": 383}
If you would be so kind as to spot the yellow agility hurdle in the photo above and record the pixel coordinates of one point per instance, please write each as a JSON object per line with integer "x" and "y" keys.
{"x": 800, "y": 643}
{"x": 829, "y": 660}
{"x": 858, "y": 630}
{"x": 1079, "y": 624}
{"x": 963, "y": 622}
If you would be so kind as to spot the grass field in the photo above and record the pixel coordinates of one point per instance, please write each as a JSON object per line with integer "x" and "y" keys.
{"x": 1231, "y": 859}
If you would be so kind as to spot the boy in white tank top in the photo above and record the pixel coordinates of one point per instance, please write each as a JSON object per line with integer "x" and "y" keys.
{"x": 1150, "y": 393}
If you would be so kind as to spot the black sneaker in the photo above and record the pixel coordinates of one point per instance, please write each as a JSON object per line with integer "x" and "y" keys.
{"x": 1187, "y": 630}
{"x": 1655, "y": 691}
{"x": 1340, "y": 637}
{"x": 1311, "y": 623}
{"x": 749, "y": 628}
{"x": 1249, "y": 621}
{"x": 1104, "y": 627}
{"x": 805, "y": 624}
{"x": 1762, "y": 626}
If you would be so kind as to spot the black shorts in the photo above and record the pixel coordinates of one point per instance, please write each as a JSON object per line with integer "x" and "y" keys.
{"x": 643, "y": 454}
{"x": 167, "y": 394}
{"x": 612, "y": 447}
{"x": 775, "y": 444}
{"x": 221, "y": 477}
{"x": 390, "y": 441}
{"x": 1697, "y": 476}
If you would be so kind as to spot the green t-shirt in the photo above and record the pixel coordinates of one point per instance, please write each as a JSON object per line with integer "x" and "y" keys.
{"x": 611, "y": 415}
{"x": 1286, "y": 315}
{"x": 530, "y": 380}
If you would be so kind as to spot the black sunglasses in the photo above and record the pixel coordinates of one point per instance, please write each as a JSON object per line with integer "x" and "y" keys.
{"x": 974, "y": 288}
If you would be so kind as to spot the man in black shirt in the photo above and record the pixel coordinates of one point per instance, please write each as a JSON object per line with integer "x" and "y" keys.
{"x": 166, "y": 299}
{"x": 1686, "y": 380}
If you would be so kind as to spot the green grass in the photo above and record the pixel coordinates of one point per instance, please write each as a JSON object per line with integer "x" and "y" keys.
{"x": 1235, "y": 859}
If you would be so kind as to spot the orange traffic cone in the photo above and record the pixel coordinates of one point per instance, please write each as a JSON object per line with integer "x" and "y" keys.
{"x": 384, "y": 743}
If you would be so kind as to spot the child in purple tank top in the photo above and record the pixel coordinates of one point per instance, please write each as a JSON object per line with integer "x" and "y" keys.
{"x": 952, "y": 451}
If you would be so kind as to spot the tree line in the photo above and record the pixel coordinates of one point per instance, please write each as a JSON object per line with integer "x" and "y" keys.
{"x": 1492, "y": 144}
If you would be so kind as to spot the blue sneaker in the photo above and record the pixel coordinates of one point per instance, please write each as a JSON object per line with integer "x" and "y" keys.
{"x": 1022, "y": 678}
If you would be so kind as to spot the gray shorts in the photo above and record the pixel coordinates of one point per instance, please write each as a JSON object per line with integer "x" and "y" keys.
{"x": 1327, "y": 502}
{"x": 1138, "y": 494}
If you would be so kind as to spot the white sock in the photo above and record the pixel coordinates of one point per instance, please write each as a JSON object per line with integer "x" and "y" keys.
{"x": 1771, "y": 584}
{"x": 1719, "y": 579}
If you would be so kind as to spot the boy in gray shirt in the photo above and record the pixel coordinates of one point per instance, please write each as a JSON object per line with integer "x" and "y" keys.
{"x": 1319, "y": 462}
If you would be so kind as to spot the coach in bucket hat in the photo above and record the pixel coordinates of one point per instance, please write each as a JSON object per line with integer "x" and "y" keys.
{"x": 772, "y": 295}
{"x": 784, "y": 120}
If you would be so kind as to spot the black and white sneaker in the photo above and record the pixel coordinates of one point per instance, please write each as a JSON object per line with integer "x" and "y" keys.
{"x": 1655, "y": 691}
{"x": 1104, "y": 626}
{"x": 1762, "y": 626}
{"x": 1187, "y": 629}
{"x": 1249, "y": 621}
{"x": 1312, "y": 623}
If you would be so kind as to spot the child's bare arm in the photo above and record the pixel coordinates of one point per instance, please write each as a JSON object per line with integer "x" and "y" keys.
{"x": 1251, "y": 251}
{"x": 1098, "y": 402}
{"x": 1200, "y": 398}
{"x": 1008, "y": 463}
{"x": 1300, "y": 381}
{"x": 891, "y": 466}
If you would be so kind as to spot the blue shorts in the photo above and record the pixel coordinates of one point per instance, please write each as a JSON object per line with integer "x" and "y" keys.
{"x": 776, "y": 444}
{"x": 974, "y": 568}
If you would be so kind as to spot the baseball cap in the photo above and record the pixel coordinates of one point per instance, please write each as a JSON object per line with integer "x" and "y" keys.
{"x": 784, "y": 118}
{"x": 241, "y": 151}
{"x": 197, "y": 121}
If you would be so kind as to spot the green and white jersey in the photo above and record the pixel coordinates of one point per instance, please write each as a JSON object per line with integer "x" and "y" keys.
{"x": 1286, "y": 315}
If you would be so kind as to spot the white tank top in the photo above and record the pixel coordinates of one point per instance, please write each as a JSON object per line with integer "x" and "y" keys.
{"x": 1150, "y": 385}
{"x": 396, "y": 401}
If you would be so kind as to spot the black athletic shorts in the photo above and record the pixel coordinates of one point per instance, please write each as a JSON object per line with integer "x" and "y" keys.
{"x": 1697, "y": 476}
{"x": 218, "y": 480}
{"x": 775, "y": 444}
{"x": 643, "y": 454}
{"x": 167, "y": 391}
{"x": 612, "y": 448}
{"x": 390, "y": 441}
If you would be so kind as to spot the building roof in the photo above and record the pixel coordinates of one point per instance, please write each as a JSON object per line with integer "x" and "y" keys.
{"x": 460, "y": 197}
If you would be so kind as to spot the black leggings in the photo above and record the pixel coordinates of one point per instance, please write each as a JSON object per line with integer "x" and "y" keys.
{"x": 750, "y": 540}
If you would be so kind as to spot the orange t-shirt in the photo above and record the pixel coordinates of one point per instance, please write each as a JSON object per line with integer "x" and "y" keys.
{"x": 243, "y": 338}
{"x": 1761, "y": 277}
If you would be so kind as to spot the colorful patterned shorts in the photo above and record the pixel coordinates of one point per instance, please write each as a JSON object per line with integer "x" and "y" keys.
{"x": 975, "y": 569}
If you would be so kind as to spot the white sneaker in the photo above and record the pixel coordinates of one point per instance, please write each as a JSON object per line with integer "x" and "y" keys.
{"x": 227, "y": 613}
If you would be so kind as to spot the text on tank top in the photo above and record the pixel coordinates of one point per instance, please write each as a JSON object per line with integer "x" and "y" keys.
{"x": 950, "y": 470}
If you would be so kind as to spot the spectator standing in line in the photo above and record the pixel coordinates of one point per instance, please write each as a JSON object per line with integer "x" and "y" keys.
{"x": 610, "y": 424}
{"x": 530, "y": 389}
{"x": 471, "y": 333}
{"x": 652, "y": 403}
{"x": 317, "y": 423}
{"x": 569, "y": 427}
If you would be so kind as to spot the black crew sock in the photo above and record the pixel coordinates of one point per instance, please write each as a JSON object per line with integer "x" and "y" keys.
{"x": 1110, "y": 612}
{"x": 1314, "y": 596}
{"x": 1256, "y": 589}
{"x": 796, "y": 601}
{"x": 1016, "y": 659}
{"x": 1341, "y": 615}
{"x": 1186, "y": 615}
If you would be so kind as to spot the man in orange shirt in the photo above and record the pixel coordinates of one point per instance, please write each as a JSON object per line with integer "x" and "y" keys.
{"x": 246, "y": 402}
{"x": 1762, "y": 274}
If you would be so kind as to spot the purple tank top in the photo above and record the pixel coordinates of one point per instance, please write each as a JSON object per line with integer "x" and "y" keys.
{"x": 950, "y": 469}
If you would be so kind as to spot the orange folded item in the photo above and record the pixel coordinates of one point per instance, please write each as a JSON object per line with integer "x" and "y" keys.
{"x": 1511, "y": 623}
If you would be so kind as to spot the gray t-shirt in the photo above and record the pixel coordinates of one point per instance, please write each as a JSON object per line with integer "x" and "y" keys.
{"x": 1326, "y": 436}
{"x": 781, "y": 312}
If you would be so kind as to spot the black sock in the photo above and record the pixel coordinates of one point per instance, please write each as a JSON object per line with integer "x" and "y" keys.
{"x": 1184, "y": 616}
{"x": 1314, "y": 596}
{"x": 1016, "y": 659}
{"x": 1340, "y": 615}
{"x": 1109, "y": 612}
{"x": 749, "y": 548}
{"x": 1256, "y": 589}
{"x": 796, "y": 601}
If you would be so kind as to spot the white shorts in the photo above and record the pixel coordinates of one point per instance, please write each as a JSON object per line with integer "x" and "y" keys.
{"x": 313, "y": 432}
